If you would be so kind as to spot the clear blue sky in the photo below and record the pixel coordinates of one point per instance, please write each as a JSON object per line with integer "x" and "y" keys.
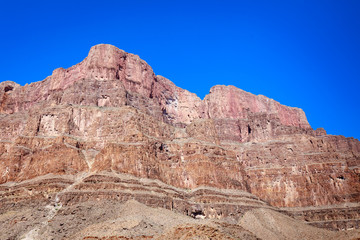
{"x": 304, "y": 54}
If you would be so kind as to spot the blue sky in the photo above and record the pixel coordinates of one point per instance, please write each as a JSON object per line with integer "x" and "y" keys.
{"x": 304, "y": 54}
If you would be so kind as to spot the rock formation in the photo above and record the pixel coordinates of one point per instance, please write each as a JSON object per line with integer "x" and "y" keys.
{"x": 233, "y": 151}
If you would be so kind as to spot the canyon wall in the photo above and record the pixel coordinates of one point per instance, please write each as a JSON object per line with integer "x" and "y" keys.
{"x": 111, "y": 113}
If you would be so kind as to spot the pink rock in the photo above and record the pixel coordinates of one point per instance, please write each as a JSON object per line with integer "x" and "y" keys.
{"x": 112, "y": 113}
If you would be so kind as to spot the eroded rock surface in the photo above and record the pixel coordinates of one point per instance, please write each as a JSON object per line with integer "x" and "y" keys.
{"x": 111, "y": 113}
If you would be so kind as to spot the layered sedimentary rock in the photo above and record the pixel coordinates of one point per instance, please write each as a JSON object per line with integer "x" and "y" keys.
{"x": 111, "y": 113}
{"x": 112, "y": 206}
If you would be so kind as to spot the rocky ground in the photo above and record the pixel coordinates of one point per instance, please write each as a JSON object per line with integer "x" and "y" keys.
{"x": 133, "y": 220}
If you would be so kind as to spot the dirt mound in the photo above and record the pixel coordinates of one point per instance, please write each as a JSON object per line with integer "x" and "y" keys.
{"x": 269, "y": 224}
{"x": 114, "y": 220}
{"x": 134, "y": 220}
{"x": 207, "y": 232}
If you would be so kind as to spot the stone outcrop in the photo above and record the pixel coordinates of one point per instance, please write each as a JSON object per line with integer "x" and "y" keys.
{"x": 111, "y": 113}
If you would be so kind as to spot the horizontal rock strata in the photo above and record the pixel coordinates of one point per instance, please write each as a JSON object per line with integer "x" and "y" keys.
{"x": 111, "y": 113}
{"x": 204, "y": 202}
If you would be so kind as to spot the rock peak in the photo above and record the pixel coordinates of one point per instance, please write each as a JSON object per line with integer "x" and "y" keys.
{"x": 103, "y": 62}
{"x": 107, "y": 63}
{"x": 104, "y": 50}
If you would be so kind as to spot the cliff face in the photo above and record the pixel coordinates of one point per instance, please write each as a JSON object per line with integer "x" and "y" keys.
{"x": 111, "y": 113}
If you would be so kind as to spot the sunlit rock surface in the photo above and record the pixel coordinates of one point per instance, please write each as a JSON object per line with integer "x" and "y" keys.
{"x": 110, "y": 114}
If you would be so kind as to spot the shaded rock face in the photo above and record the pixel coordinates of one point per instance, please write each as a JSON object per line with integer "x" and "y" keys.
{"x": 112, "y": 113}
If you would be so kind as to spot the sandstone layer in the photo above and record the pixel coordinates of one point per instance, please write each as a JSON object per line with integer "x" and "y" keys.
{"x": 112, "y": 114}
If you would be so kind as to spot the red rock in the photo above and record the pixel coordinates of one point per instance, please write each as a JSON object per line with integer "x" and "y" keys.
{"x": 111, "y": 113}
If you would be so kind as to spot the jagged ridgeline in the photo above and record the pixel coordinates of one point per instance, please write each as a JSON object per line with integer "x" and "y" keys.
{"x": 108, "y": 130}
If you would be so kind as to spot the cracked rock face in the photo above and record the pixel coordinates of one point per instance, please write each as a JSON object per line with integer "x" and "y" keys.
{"x": 111, "y": 113}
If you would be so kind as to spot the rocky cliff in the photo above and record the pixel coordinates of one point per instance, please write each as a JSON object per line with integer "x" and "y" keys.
{"x": 112, "y": 114}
